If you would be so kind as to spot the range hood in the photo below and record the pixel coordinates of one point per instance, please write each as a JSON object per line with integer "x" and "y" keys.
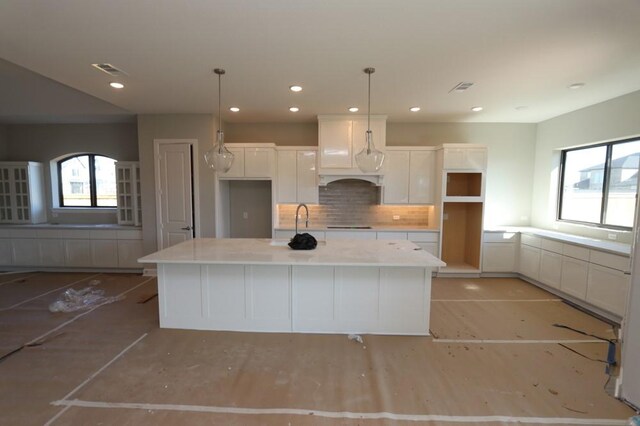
{"x": 326, "y": 176}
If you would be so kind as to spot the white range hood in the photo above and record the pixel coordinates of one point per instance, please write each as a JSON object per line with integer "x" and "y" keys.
{"x": 327, "y": 177}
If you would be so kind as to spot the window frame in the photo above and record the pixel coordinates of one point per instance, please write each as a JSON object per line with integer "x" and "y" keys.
{"x": 93, "y": 188}
{"x": 605, "y": 185}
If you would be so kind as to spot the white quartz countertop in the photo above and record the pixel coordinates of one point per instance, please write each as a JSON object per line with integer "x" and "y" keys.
{"x": 106, "y": 226}
{"x": 400, "y": 228}
{"x": 399, "y": 253}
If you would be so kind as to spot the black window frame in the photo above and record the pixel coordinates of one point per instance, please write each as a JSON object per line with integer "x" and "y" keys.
{"x": 605, "y": 185}
{"x": 93, "y": 188}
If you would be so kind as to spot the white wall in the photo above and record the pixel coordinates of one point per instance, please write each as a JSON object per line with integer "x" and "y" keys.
{"x": 510, "y": 168}
{"x": 615, "y": 119}
{"x": 46, "y": 142}
{"x": 175, "y": 126}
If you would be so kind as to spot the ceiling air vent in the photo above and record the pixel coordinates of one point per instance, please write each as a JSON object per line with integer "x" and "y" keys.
{"x": 461, "y": 87}
{"x": 109, "y": 69}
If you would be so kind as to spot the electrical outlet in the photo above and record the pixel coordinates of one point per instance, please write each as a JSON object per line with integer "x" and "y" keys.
{"x": 245, "y": 215}
{"x": 396, "y": 217}
{"x": 612, "y": 236}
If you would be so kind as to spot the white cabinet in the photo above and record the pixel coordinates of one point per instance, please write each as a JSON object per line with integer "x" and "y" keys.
{"x": 129, "y": 194}
{"x": 529, "y": 261}
{"x": 251, "y": 161}
{"x": 104, "y": 253}
{"x": 22, "y": 193}
{"x": 297, "y": 176}
{"x": 396, "y": 177}
{"x": 498, "y": 257}
{"x": 608, "y": 289}
{"x": 78, "y": 253}
{"x": 341, "y": 137}
{"x": 350, "y": 235}
{"x": 51, "y": 252}
{"x": 409, "y": 177}
{"x": 129, "y": 251}
{"x": 464, "y": 157}
{"x": 25, "y": 252}
{"x": 550, "y": 268}
{"x": 574, "y": 277}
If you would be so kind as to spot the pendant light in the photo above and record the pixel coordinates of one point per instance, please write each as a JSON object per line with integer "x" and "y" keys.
{"x": 219, "y": 158}
{"x": 370, "y": 159}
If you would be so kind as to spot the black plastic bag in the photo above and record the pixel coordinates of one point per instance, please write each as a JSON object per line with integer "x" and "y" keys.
{"x": 303, "y": 242}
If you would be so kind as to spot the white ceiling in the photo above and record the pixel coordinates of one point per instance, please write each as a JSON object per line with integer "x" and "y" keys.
{"x": 517, "y": 52}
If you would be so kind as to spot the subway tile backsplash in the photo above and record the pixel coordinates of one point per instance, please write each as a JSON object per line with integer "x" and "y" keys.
{"x": 355, "y": 202}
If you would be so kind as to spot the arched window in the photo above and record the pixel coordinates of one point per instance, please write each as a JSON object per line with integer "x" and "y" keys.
{"x": 87, "y": 180}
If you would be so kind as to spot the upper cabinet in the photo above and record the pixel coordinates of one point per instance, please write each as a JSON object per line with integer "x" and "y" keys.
{"x": 22, "y": 193}
{"x": 297, "y": 175}
{"x": 409, "y": 176}
{"x": 129, "y": 194}
{"x": 251, "y": 161}
{"x": 464, "y": 157}
{"x": 341, "y": 137}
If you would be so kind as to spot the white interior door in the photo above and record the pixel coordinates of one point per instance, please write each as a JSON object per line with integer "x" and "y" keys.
{"x": 174, "y": 186}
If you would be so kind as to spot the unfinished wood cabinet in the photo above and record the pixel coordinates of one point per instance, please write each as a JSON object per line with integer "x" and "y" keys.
{"x": 462, "y": 236}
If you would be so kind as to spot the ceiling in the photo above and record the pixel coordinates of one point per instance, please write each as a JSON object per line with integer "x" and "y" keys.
{"x": 517, "y": 53}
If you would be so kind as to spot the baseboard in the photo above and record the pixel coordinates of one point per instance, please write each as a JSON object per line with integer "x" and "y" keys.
{"x": 17, "y": 270}
{"x": 150, "y": 272}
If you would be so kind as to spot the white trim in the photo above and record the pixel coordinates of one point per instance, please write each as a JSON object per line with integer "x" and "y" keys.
{"x": 84, "y": 210}
{"x": 519, "y": 341}
{"x": 195, "y": 188}
{"x": 339, "y": 414}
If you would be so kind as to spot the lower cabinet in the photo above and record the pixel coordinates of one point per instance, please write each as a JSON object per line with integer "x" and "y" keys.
{"x": 498, "y": 257}
{"x": 550, "y": 268}
{"x": 104, "y": 253}
{"x": 530, "y": 262}
{"x": 608, "y": 289}
{"x": 25, "y": 252}
{"x": 51, "y": 252}
{"x": 78, "y": 253}
{"x": 129, "y": 251}
{"x": 574, "y": 277}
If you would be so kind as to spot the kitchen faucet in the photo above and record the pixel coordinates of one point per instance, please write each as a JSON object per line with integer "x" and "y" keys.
{"x": 306, "y": 223}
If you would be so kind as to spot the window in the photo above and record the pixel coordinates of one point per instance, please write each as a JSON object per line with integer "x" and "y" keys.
{"x": 598, "y": 184}
{"x": 87, "y": 180}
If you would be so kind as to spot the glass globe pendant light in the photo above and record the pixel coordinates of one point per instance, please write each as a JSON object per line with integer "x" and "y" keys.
{"x": 219, "y": 158}
{"x": 369, "y": 159}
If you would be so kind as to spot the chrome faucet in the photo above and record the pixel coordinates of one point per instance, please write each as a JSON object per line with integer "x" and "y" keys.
{"x": 306, "y": 223}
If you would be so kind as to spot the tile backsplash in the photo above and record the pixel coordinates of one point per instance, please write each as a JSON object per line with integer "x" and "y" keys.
{"x": 355, "y": 202}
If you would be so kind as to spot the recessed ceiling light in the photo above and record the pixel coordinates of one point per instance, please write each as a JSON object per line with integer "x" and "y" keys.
{"x": 353, "y": 109}
{"x": 295, "y": 88}
{"x": 294, "y": 109}
{"x": 414, "y": 109}
{"x": 575, "y": 86}
{"x": 116, "y": 85}
{"x": 234, "y": 109}
{"x": 476, "y": 108}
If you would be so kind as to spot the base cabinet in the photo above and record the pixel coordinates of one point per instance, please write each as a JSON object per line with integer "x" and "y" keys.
{"x": 608, "y": 289}
{"x": 530, "y": 261}
{"x": 498, "y": 257}
{"x": 550, "y": 268}
{"x": 574, "y": 277}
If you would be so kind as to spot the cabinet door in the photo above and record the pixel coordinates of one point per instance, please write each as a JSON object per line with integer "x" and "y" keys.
{"x": 104, "y": 253}
{"x": 431, "y": 248}
{"x": 306, "y": 177}
{"x": 287, "y": 177}
{"x": 350, "y": 235}
{"x": 129, "y": 251}
{"x": 465, "y": 158}
{"x": 530, "y": 261}
{"x": 25, "y": 252}
{"x": 258, "y": 162}
{"x": 422, "y": 177}
{"x": 608, "y": 289}
{"x": 396, "y": 177}
{"x": 5, "y": 252}
{"x": 237, "y": 167}
{"x": 498, "y": 257}
{"x": 550, "y": 268}
{"x": 574, "y": 277}
{"x": 6, "y": 210}
{"x": 51, "y": 252}
{"x": 335, "y": 143}
{"x": 78, "y": 253}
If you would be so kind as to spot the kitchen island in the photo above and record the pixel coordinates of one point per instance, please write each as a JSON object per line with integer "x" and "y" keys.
{"x": 343, "y": 286}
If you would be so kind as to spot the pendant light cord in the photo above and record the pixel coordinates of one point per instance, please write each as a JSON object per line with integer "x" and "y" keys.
{"x": 369, "y": 105}
{"x": 219, "y": 103}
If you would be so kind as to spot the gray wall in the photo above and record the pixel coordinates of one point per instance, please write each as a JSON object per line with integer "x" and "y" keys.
{"x": 4, "y": 142}
{"x": 252, "y": 197}
{"x": 201, "y": 127}
{"x": 47, "y": 142}
{"x": 615, "y": 119}
{"x": 289, "y": 134}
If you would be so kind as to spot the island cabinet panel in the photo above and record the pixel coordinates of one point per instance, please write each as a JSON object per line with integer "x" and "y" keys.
{"x": 226, "y": 295}
{"x": 314, "y": 297}
{"x": 180, "y": 297}
{"x": 269, "y": 292}
{"x": 404, "y": 300}
{"x": 358, "y": 297}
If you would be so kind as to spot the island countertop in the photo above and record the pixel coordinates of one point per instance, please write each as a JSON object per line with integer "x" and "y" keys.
{"x": 393, "y": 253}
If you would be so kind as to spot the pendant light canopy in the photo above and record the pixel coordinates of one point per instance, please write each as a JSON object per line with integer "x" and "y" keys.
{"x": 370, "y": 159}
{"x": 219, "y": 158}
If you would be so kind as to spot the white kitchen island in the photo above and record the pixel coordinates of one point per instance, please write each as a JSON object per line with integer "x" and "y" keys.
{"x": 343, "y": 286}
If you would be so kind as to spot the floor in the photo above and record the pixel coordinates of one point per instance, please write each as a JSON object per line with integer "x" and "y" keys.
{"x": 495, "y": 358}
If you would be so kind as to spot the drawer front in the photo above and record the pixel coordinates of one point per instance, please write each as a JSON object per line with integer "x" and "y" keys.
{"x": 392, "y": 235}
{"x": 575, "y": 252}
{"x": 500, "y": 237}
{"x": 423, "y": 237}
{"x": 621, "y": 263}
{"x": 350, "y": 235}
{"x": 24, "y": 233}
{"x": 104, "y": 234}
{"x": 530, "y": 240}
{"x": 129, "y": 234}
{"x": 551, "y": 245}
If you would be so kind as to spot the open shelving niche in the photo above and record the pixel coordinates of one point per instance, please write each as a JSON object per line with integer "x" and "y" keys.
{"x": 460, "y": 212}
